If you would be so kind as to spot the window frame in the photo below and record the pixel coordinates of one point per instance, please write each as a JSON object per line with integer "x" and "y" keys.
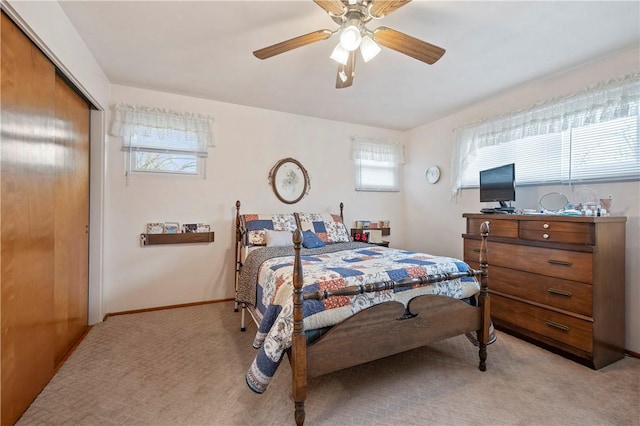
{"x": 555, "y": 156}
{"x": 595, "y": 105}
{"x": 169, "y": 134}
{"x": 369, "y": 154}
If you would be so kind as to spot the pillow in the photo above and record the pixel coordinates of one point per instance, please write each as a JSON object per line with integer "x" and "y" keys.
{"x": 278, "y": 238}
{"x": 328, "y": 227}
{"x": 311, "y": 240}
{"x": 256, "y": 224}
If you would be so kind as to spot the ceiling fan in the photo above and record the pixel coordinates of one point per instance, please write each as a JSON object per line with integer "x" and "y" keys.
{"x": 352, "y": 15}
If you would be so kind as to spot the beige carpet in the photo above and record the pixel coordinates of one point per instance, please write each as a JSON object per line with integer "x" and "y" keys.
{"x": 186, "y": 366}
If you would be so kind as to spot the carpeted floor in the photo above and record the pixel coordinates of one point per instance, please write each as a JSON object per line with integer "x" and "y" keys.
{"x": 186, "y": 366}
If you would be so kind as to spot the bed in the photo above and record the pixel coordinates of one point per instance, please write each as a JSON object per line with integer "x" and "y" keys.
{"x": 330, "y": 304}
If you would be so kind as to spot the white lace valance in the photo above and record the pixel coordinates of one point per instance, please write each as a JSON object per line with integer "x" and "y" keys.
{"x": 377, "y": 149}
{"x": 148, "y": 128}
{"x": 602, "y": 102}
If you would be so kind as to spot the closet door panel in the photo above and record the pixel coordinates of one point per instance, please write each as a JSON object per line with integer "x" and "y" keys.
{"x": 27, "y": 184}
{"x": 71, "y": 218}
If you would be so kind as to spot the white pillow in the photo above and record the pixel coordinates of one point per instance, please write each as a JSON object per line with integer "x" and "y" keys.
{"x": 278, "y": 238}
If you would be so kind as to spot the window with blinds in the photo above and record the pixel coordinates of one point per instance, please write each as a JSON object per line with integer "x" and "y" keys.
{"x": 164, "y": 151}
{"x": 588, "y": 136}
{"x": 608, "y": 151}
{"x": 377, "y": 164}
{"x": 162, "y": 141}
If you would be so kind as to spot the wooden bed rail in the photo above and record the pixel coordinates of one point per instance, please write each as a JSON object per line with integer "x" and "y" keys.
{"x": 353, "y": 290}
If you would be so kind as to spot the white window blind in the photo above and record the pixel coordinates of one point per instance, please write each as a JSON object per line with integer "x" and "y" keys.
{"x": 159, "y": 140}
{"x": 590, "y": 136}
{"x": 376, "y": 164}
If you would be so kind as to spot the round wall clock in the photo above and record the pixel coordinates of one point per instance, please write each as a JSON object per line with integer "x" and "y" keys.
{"x": 289, "y": 180}
{"x": 433, "y": 174}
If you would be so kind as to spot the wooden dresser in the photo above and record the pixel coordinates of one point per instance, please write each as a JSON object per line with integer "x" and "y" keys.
{"x": 557, "y": 281}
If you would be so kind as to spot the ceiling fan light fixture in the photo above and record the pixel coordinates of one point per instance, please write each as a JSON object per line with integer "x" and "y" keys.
{"x": 340, "y": 54}
{"x": 369, "y": 48}
{"x": 350, "y": 37}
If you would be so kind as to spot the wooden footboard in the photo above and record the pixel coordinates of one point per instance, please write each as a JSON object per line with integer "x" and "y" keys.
{"x": 384, "y": 329}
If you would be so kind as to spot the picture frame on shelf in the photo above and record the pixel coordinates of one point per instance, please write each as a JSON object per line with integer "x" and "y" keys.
{"x": 171, "y": 227}
{"x": 203, "y": 228}
{"x": 155, "y": 228}
{"x": 189, "y": 227}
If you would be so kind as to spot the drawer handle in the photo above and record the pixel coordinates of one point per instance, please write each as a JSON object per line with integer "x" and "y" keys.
{"x": 545, "y": 226}
{"x": 477, "y": 250}
{"x": 558, "y": 292}
{"x": 559, "y": 262}
{"x": 557, "y": 325}
{"x": 545, "y": 236}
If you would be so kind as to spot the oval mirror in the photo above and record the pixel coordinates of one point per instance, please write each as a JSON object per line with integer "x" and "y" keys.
{"x": 554, "y": 201}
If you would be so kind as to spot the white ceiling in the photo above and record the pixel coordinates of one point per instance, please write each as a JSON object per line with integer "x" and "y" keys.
{"x": 204, "y": 49}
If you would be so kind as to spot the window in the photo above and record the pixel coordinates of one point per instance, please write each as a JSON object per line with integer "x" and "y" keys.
{"x": 377, "y": 164}
{"x": 163, "y": 141}
{"x": 597, "y": 153}
{"x": 592, "y": 136}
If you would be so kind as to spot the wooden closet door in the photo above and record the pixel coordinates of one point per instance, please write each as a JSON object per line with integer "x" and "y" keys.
{"x": 27, "y": 184}
{"x": 44, "y": 219}
{"x": 71, "y": 218}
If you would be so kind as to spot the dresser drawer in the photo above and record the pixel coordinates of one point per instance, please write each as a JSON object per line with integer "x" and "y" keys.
{"x": 498, "y": 227}
{"x": 565, "y": 264}
{"x": 555, "y": 292}
{"x": 561, "y": 328}
{"x": 559, "y": 232}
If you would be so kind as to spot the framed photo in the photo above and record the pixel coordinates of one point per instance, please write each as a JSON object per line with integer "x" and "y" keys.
{"x": 203, "y": 228}
{"x": 289, "y": 180}
{"x": 189, "y": 227}
{"x": 155, "y": 228}
{"x": 171, "y": 227}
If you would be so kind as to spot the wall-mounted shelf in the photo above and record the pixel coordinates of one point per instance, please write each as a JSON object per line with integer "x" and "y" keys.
{"x": 183, "y": 238}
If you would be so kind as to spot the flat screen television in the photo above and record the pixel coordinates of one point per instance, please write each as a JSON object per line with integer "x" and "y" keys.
{"x": 499, "y": 184}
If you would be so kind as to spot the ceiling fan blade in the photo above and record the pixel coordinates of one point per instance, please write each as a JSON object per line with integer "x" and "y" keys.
{"x": 411, "y": 46}
{"x": 285, "y": 46}
{"x": 346, "y": 72}
{"x": 333, "y": 7}
{"x": 380, "y": 8}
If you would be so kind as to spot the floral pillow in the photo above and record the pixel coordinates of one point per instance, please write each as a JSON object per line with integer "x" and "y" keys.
{"x": 256, "y": 226}
{"x": 328, "y": 227}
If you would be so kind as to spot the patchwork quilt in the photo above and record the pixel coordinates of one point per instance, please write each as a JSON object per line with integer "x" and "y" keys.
{"x": 330, "y": 268}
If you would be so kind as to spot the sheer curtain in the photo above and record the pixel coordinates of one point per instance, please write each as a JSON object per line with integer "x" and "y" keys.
{"x": 376, "y": 163}
{"x": 602, "y": 102}
{"x": 146, "y": 128}
{"x": 377, "y": 149}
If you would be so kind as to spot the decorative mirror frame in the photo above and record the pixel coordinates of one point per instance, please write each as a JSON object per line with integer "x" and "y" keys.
{"x": 289, "y": 180}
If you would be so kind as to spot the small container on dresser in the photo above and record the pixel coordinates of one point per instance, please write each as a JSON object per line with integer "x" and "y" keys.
{"x": 557, "y": 281}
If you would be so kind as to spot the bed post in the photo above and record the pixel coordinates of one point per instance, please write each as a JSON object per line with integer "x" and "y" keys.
{"x": 236, "y": 267}
{"x": 298, "y": 344}
{"x": 485, "y": 322}
{"x": 341, "y": 208}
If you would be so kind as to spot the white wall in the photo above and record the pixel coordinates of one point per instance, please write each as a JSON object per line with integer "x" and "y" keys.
{"x": 437, "y": 223}
{"x": 249, "y": 142}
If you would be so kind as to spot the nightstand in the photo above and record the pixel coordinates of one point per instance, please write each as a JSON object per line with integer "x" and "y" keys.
{"x": 385, "y": 232}
{"x": 381, "y": 243}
